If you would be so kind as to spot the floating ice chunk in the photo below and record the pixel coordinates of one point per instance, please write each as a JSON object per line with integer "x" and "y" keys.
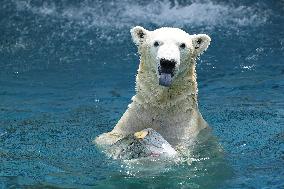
{"x": 146, "y": 143}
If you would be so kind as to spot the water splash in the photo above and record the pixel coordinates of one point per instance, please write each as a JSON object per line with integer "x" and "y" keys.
{"x": 127, "y": 13}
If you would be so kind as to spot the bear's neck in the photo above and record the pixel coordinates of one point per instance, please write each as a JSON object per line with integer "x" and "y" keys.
{"x": 149, "y": 93}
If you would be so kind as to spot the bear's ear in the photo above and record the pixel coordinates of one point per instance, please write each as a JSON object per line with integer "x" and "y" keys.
{"x": 139, "y": 35}
{"x": 200, "y": 43}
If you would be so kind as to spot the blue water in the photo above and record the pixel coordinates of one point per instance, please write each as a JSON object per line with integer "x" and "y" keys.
{"x": 67, "y": 73}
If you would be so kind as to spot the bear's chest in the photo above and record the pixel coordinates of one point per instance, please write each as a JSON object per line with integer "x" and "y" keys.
{"x": 167, "y": 121}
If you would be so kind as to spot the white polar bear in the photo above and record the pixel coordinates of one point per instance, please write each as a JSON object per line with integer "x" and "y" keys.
{"x": 166, "y": 87}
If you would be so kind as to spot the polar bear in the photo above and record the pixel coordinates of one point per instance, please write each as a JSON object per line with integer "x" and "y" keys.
{"x": 166, "y": 86}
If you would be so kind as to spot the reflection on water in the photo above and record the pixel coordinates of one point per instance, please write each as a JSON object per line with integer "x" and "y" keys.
{"x": 67, "y": 73}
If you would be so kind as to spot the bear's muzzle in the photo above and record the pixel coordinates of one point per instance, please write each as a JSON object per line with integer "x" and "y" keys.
{"x": 166, "y": 71}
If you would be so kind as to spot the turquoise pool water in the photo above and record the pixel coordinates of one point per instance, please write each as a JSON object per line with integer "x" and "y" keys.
{"x": 67, "y": 73}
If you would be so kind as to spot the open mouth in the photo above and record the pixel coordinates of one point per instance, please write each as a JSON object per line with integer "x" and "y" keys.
{"x": 166, "y": 72}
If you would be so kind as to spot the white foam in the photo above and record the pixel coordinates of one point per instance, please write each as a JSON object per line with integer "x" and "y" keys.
{"x": 160, "y": 13}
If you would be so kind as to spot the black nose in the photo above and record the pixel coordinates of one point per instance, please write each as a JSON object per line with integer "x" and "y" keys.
{"x": 167, "y": 65}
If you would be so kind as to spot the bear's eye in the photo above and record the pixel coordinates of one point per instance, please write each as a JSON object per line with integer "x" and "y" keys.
{"x": 182, "y": 45}
{"x": 199, "y": 41}
{"x": 156, "y": 44}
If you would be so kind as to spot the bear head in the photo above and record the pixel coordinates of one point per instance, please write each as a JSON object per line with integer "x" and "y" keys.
{"x": 169, "y": 51}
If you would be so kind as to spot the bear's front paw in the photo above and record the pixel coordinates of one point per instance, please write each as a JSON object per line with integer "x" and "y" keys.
{"x": 107, "y": 139}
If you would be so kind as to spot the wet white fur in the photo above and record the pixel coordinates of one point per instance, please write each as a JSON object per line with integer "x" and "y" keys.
{"x": 171, "y": 111}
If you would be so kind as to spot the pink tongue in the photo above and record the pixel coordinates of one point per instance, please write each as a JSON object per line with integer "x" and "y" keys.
{"x": 165, "y": 79}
